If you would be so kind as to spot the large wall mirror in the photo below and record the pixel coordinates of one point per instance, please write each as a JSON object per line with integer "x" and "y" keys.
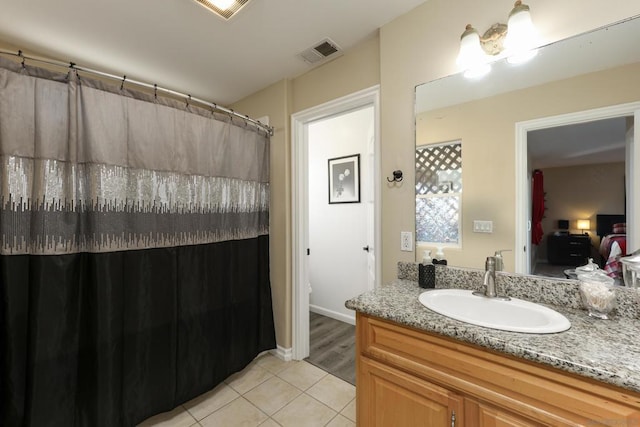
{"x": 570, "y": 115}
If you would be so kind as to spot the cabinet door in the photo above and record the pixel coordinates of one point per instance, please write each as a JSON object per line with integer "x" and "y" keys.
{"x": 389, "y": 397}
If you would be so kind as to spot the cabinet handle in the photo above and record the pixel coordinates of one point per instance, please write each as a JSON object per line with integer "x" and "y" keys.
{"x": 453, "y": 418}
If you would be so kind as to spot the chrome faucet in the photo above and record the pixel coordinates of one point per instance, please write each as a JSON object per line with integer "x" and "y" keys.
{"x": 489, "y": 281}
{"x": 490, "y": 277}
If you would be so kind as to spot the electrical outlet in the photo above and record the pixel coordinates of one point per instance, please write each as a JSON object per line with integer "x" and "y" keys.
{"x": 406, "y": 241}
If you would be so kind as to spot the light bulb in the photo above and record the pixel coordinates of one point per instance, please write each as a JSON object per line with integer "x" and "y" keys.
{"x": 521, "y": 38}
{"x": 222, "y": 4}
{"x": 472, "y": 58}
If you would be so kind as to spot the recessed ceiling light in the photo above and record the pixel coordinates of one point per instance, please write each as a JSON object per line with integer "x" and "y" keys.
{"x": 222, "y": 4}
{"x": 224, "y": 8}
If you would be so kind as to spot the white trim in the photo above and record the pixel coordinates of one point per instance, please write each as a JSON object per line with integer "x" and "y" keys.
{"x": 299, "y": 205}
{"x": 282, "y": 353}
{"x": 633, "y": 221}
{"x": 299, "y": 241}
{"x": 333, "y": 314}
{"x": 521, "y": 130}
{"x": 522, "y": 203}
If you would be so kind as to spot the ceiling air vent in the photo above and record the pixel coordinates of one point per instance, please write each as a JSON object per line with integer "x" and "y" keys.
{"x": 320, "y": 51}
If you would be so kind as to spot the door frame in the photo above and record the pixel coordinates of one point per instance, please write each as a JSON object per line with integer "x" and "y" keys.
{"x": 300, "y": 204}
{"x": 523, "y": 207}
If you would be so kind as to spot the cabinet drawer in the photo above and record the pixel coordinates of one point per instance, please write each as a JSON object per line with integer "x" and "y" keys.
{"x": 489, "y": 416}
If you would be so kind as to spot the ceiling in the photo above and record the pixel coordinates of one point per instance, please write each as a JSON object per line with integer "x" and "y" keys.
{"x": 601, "y": 141}
{"x": 180, "y": 45}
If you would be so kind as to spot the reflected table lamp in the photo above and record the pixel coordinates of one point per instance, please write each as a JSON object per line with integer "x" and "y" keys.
{"x": 584, "y": 224}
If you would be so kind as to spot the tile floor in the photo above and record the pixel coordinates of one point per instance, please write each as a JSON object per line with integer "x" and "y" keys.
{"x": 269, "y": 392}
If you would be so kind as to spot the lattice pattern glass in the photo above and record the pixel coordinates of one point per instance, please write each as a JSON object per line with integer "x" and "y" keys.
{"x": 437, "y": 219}
{"x": 439, "y": 169}
{"x": 438, "y": 193}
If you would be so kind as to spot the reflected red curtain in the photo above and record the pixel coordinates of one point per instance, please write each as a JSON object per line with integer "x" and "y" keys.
{"x": 538, "y": 207}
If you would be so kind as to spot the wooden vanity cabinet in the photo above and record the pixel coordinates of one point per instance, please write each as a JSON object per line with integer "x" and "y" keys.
{"x": 407, "y": 377}
{"x": 395, "y": 398}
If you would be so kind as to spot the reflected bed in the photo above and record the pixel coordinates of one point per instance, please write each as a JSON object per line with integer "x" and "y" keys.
{"x": 613, "y": 242}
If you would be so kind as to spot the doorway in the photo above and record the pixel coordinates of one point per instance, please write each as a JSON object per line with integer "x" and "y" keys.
{"x": 303, "y": 124}
{"x": 525, "y": 258}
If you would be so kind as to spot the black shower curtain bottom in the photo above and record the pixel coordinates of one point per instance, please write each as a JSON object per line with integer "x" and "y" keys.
{"x": 110, "y": 339}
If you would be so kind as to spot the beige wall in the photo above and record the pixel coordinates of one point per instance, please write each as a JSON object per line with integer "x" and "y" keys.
{"x": 581, "y": 192}
{"x": 355, "y": 70}
{"x": 415, "y": 48}
{"x": 421, "y": 46}
{"x": 486, "y": 128}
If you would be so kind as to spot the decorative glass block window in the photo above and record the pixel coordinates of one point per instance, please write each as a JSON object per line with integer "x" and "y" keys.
{"x": 439, "y": 194}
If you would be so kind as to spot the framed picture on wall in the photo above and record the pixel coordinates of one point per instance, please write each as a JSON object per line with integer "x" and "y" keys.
{"x": 344, "y": 179}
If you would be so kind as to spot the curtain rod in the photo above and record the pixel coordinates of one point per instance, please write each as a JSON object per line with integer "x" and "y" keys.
{"x": 155, "y": 87}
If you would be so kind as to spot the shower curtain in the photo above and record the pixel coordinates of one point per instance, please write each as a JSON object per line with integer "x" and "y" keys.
{"x": 134, "y": 268}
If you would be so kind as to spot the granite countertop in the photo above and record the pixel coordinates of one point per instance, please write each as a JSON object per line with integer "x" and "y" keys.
{"x": 605, "y": 350}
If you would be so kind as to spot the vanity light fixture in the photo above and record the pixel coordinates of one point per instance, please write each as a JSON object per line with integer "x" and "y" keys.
{"x": 517, "y": 40}
{"x": 223, "y": 8}
{"x": 584, "y": 224}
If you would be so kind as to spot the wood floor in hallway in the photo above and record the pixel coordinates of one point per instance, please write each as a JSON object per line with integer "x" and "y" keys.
{"x": 332, "y": 346}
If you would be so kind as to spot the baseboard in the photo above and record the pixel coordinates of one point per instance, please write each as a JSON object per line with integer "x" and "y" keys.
{"x": 333, "y": 314}
{"x": 282, "y": 353}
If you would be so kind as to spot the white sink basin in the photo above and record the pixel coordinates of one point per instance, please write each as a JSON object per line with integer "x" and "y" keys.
{"x": 515, "y": 315}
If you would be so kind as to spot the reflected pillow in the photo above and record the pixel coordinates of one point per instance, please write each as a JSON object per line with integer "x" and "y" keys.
{"x": 620, "y": 228}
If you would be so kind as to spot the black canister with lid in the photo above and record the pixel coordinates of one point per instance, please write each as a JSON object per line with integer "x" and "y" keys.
{"x": 426, "y": 272}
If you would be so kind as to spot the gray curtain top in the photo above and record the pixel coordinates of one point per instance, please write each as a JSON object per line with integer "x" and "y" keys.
{"x": 49, "y": 115}
{"x": 87, "y": 167}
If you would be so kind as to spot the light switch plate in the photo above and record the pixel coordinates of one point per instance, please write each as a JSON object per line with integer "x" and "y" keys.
{"x": 406, "y": 241}
{"x": 482, "y": 226}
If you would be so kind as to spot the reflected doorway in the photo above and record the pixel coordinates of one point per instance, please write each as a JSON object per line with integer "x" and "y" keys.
{"x": 617, "y": 148}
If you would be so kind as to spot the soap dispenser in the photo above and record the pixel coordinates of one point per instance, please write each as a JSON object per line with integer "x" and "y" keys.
{"x": 426, "y": 272}
{"x": 440, "y": 258}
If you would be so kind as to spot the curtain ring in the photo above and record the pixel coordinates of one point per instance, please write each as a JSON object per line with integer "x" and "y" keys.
{"x": 188, "y": 100}
{"x": 71, "y": 64}
{"x": 155, "y": 92}
{"x": 123, "y": 80}
{"x": 20, "y": 55}
{"x": 72, "y": 67}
